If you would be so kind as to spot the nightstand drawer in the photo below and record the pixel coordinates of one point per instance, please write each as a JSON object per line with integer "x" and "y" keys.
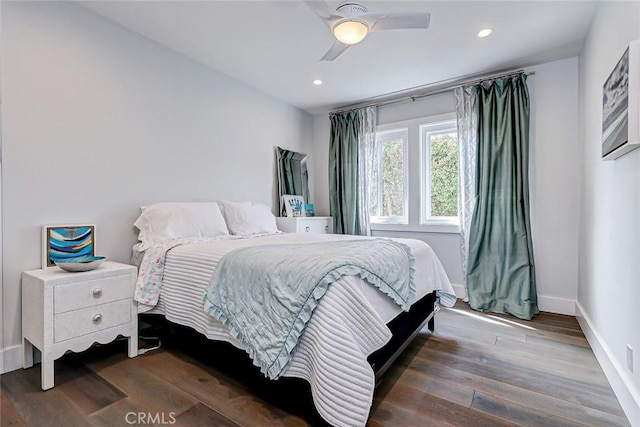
{"x": 92, "y": 292}
{"x": 87, "y": 320}
{"x": 306, "y": 225}
{"x": 315, "y": 227}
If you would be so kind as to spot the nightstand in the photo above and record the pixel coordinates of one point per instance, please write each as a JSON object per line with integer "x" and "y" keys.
{"x": 305, "y": 224}
{"x": 64, "y": 311}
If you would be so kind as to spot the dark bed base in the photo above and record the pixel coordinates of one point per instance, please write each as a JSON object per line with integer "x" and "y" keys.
{"x": 404, "y": 328}
{"x": 291, "y": 394}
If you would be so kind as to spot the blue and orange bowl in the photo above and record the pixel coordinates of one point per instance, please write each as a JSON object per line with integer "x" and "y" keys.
{"x": 81, "y": 263}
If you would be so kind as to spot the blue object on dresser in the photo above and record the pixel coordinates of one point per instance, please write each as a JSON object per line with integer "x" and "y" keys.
{"x": 81, "y": 263}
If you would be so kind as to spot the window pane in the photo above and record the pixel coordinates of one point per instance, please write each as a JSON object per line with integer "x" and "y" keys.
{"x": 392, "y": 177}
{"x": 444, "y": 174}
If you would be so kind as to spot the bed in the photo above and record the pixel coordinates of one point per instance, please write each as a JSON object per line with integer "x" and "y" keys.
{"x": 348, "y": 341}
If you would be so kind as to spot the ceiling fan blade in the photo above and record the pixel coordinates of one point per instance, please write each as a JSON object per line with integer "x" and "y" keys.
{"x": 323, "y": 10}
{"x": 398, "y": 21}
{"x": 335, "y": 51}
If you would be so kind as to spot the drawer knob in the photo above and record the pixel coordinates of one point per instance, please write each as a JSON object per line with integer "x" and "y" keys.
{"x": 97, "y": 318}
{"x": 326, "y": 228}
{"x": 97, "y": 293}
{"x": 307, "y": 229}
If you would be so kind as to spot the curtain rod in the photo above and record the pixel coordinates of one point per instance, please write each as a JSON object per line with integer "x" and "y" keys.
{"x": 437, "y": 88}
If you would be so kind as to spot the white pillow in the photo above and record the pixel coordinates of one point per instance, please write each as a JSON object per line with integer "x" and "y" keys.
{"x": 244, "y": 219}
{"x": 167, "y": 221}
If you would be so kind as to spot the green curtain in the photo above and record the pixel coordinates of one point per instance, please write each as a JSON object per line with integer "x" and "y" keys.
{"x": 501, "y": 273}
{"x": 344, "y": 197}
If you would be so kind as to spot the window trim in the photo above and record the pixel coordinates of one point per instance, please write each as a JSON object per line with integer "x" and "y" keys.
{"x": 413, "y": 177}
{"x": 438, "y": 125}
{"x": 447, "y": 228}
{"x": 399, "y": 132}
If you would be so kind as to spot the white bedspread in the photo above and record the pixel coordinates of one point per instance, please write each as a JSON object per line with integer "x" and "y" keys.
{"x": 347, "y": 326}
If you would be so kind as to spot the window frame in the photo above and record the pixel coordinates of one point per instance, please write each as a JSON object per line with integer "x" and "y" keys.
{"x": 427, "y": 130}
{"x": 413, "y": 180}
{"x": 388, "y": 134}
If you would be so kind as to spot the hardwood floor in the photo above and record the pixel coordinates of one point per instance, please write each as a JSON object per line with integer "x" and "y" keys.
{"x": 478, "y": 369}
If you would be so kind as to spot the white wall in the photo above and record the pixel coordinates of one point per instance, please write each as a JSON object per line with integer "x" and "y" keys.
{"x": 98, "y": 121}
{"x": 318, "y": 164}
{"x": 609, "y": 273}
{"x": 554, "y": 183}
{"x": 553, "y": 179}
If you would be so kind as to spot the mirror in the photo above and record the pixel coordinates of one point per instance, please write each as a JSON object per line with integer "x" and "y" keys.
{"x": 292, "y": 175}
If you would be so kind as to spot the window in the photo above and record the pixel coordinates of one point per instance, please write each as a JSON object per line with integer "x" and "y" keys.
{"x": 388, "y": 182}
{"x": 439, "y": 165}
{"x": 414, "y": 184}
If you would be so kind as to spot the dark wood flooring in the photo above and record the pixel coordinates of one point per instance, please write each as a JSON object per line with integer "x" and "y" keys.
{"x": 478, "y": 369}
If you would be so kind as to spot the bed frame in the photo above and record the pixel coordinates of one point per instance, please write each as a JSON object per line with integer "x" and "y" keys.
{"x": 292, "y": 394}
{"x": 404, "y": 328}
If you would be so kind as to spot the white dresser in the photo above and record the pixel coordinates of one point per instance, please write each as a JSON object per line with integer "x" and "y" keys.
{"x": 64, "y": 311}
{"x": 306, "y": 224}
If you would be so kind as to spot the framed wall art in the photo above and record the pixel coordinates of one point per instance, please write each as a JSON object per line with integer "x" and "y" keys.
{"x": 621, "y": 105}
{"x": 292, "y": 205}
{"x": 60, "y": 242}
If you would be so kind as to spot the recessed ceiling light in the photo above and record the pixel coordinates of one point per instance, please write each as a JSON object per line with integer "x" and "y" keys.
{"x": 317, "y": 82}
{"x": 485, "y": 32}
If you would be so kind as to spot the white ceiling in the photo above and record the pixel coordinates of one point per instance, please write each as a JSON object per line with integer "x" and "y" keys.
{"x": 275, "y": 46}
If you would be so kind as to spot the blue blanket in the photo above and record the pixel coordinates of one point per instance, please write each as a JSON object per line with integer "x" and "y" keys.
{"x": 266, "y": 294}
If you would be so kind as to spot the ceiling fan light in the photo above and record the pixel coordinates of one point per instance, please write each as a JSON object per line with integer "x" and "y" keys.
{"x": 350, "y": 32}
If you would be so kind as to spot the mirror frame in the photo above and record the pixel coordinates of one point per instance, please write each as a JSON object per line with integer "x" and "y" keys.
{"x": 284, "y": 156}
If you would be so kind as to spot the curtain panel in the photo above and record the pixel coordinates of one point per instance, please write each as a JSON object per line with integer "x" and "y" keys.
{"x": 367, "y": 152}
{"x": 351, "y": 151}
{"x": 467, "y": 151}
{"x": 500, "y": 266}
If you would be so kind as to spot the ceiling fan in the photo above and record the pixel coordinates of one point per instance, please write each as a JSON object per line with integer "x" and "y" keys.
{"x": 351, "y": 22}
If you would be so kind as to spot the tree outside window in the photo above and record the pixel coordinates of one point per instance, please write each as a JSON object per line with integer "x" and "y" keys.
{"x": 444, "y": 175}
{"x": 388, "y": 186}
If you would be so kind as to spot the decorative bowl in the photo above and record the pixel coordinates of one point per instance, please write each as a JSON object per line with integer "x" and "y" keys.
{"x": 81, "y": 263}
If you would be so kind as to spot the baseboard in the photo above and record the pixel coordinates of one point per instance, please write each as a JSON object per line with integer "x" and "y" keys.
{"x": 11, "y": 358}
{"x": 545, "y": 303}
{"x": 557, "y": 305}
{"x": 460, "y": 290}
{"x": 620, "y": 381}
